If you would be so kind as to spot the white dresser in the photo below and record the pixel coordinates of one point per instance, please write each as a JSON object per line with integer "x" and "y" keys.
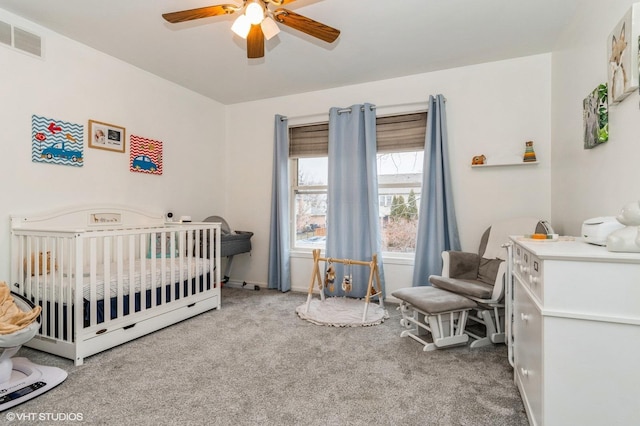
{"x": 573, "y": 330}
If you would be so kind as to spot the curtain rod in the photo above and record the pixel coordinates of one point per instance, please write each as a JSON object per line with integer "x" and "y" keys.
{"x": 340, "y": 111}
{"x": 423, "y": 107}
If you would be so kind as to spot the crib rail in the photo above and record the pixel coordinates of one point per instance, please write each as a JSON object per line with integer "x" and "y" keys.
{"x": 92, "y": 281}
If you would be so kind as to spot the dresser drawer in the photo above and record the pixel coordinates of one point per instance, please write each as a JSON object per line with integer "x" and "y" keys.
{"x": 520, "y": 261}
{"x": 529, "y": 268}
{"x": 536, "y": 277}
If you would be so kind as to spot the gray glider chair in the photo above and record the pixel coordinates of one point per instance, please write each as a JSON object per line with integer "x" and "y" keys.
{"x": 470, "y": 289}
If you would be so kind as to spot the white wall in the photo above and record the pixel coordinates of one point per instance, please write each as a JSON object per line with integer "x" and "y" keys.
{"x": 596, "y": 182}
{"x": 218, "y": 159}
{"x": 492, "y": 109}
{"x": 74, "y": 83}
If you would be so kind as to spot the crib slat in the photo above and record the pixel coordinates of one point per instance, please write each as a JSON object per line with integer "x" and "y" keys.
{"x": 76, "y": 310}
{"x": 93, "y": 269}
{"x": 183, "y": 252}
{"x": 198, "y": 255}
{"x": 69, "y": 293}
{"x": 119, "y": 256}
{"x": 143, "y": 270}
{"x": 131, "y": 269}
{"x": 153, "y": 265}
{"x": 106, "y": 282}
{"x": 164, "y": 253}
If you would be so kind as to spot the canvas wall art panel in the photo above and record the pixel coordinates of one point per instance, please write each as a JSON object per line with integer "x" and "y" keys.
{"x": 145, "y": 155}
{"x": 622, "y": 52}
{"x": 56, "y": 141}
{"x": 596, "y": 117}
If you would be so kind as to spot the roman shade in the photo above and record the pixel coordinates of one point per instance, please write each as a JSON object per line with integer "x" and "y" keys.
{"x": 394, "y": 133}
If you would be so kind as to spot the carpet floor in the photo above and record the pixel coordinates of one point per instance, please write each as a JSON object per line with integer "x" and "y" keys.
{"x": 255, "y": 362}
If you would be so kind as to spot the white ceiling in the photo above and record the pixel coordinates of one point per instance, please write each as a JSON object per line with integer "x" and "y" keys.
{"x": 379, "y": 39}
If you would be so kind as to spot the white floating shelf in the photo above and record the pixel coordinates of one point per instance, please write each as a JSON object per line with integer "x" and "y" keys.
{"x": 521, "y": 163}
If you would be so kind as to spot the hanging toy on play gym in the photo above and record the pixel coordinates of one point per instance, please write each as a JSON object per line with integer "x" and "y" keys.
{"x": 346, "y": 282}
{"x": 329, "y": 277}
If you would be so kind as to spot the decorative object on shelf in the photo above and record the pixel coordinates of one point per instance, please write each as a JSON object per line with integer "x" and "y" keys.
{"x": 478, "y": 160}
{"x": 595, "y": 116}
{"x": 529, "y": 153}
{"x": 145, "y": 155}
{"x": 622, "y": 48}
{"x": 626, "y": 239}
{"x": 106, "y": 136}
{"x": 56, "y": 142}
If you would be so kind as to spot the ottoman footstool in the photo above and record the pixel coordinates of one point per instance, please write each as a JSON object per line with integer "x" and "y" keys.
{"x": 429, "y": 309}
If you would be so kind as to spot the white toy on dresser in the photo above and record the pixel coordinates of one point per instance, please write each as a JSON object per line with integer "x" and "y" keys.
{"x": 626, "y": 239}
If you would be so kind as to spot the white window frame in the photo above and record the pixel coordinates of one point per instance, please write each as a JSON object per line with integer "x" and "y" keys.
{"x": 295, "y": 189}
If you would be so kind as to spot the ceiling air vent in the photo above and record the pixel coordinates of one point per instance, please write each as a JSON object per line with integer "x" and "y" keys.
{"x": 5, "y": 33}
{"x": 27, "y": 42}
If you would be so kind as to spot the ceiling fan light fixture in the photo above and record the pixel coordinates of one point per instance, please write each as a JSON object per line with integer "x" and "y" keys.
{"x": 241, "y": 26}
{"x": 269, "y": 28}
{"x": 257, "y": 22}
{"x": 254, "y": 12}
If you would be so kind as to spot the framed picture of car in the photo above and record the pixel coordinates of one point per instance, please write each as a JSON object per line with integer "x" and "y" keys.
{"x": 106, "y": 136}
{"x": 145, "y": 155}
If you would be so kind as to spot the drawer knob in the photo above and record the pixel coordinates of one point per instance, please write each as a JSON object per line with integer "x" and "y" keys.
{"x": 524, "y": 372}
{"x": 534, "y": 280}
{"x": 524, "y": 317}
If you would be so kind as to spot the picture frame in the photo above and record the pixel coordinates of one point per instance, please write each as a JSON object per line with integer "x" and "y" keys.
{"x": 622, "y": 56}
{"x": 106, "y": 136}
{"x": 595, "y": 116}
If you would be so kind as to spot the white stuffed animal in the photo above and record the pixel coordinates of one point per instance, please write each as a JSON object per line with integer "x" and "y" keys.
{"x": 626, "y": 239}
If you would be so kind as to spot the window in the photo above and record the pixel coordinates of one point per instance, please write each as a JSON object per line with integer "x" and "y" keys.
{"x": 400, "y": 158}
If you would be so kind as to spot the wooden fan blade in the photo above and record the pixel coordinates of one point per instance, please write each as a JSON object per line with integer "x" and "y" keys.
{"x": 306, "y": 25}
{"x": 255, "y": 42}
{"x": 280, "y": 2}
{"x": 201, "y": 12}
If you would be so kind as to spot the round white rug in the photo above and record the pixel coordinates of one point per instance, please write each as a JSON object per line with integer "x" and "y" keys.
{"x": 342, "y": 312}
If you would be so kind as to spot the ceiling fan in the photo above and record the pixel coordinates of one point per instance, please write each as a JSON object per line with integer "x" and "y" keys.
{"x": 258, "y": 22}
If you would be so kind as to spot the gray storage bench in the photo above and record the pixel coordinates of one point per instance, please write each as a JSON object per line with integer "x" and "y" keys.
{"x": 438, "y": 311}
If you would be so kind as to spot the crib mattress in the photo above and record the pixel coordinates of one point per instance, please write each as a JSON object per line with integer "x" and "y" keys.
{"x": 56, "y": 286}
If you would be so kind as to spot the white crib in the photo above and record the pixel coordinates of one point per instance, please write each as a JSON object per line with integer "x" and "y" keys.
{"x": 109, "y": 274}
